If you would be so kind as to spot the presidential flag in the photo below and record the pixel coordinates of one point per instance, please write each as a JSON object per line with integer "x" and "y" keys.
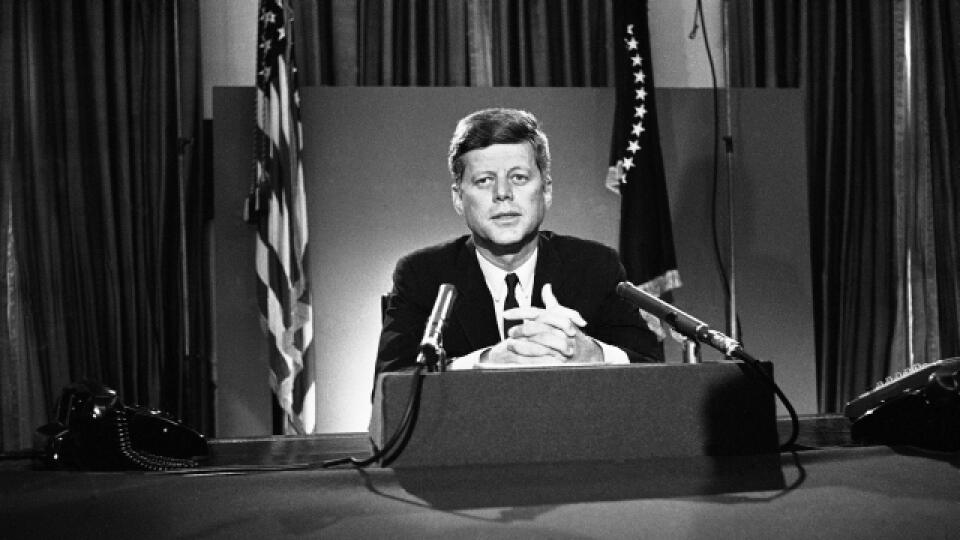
{"x": 277, "y": 205}
{"x": 636, "y": 163}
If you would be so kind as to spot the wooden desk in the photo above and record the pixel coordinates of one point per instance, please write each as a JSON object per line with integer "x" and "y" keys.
{"x": 828, "y": 490}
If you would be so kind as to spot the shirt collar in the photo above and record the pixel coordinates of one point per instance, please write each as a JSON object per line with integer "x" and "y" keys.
{"x": 495, "y": 276}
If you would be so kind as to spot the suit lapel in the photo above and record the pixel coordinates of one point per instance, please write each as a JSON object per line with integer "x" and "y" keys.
{"x": 474, "y": 312}
{"x": 549, "y": 270}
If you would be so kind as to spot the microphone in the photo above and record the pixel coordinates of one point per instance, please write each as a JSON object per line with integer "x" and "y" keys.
{"x": 698, "y": 331}
{"x": 430, "y": 351}
{"x": 687, "y": 325}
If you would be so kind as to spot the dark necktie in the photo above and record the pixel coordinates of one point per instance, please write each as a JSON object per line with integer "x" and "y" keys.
{"x": 510, "y": 302}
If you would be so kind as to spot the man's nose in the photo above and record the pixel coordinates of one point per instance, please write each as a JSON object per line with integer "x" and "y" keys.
{"x": 503, "y": 189}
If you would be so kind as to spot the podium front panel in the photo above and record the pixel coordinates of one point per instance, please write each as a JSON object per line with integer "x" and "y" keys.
{"x": 541, "y": 415}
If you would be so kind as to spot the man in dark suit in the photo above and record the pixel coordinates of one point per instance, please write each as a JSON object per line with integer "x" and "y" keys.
{"x": 526, "y": 296}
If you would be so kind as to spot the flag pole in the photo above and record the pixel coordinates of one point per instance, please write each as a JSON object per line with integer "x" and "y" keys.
{"x": 184, "y": 277}
{"x": 732, "y": 326}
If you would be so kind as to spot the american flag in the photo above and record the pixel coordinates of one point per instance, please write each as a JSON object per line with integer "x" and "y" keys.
{"x": 636, "y": 162}
{"x": 277, "y": 205}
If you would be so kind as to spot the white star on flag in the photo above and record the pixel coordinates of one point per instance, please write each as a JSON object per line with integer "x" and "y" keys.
{"x": 640, "y": 109}
{"x": 635, "y": 168}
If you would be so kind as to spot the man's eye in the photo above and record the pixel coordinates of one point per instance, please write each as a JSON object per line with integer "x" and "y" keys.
{"x": 519, "y": 178}
{"x": 482, "y": 181}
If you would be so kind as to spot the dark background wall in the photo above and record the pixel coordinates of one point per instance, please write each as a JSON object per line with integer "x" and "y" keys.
{"x": 377, "y": 187}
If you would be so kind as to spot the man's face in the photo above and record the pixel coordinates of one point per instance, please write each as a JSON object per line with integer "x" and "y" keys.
{"x": 502, "y": 196}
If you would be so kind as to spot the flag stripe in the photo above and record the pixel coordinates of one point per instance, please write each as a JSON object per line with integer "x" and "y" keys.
{"x": 277, "y": 205}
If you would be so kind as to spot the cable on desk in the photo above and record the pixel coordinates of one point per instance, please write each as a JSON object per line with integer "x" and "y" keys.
{"x": 794, "y": 419}
{"x": 392, "y": 448}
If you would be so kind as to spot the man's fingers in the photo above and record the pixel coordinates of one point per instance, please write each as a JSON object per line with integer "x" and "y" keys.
{"x": 551, "y": 303}
{"x": 549, "y": 300}
{"x": 530, "y": 327}
{"x": 518, "y": 313}
{"x": 525, "y": 347}
{"x": 545, "y": 335}
{"x": 562, "y": 318}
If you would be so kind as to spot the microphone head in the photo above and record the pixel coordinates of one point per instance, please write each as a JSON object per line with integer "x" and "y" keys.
{"x": 443, "y": 305}
{"x": 431, "y": 344}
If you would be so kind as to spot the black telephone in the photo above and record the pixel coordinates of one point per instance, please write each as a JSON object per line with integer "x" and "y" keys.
{"x": 93, "y": 429}
{"x": 919, "y": 406}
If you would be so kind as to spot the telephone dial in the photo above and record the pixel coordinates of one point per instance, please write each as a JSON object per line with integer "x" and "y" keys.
{"x": 93, "y": 429}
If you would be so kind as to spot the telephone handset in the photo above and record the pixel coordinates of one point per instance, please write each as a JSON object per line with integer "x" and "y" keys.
{"x": 919, "y": 406}
{"x": 95, "y": 430}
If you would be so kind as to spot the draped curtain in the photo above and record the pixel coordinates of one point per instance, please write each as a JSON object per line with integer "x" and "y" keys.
{"x": 933, "y": 252}
{"x": 766, "y": 43}
{"x": 881, "y": 82}
{"x": 103, "y": 208}
{"x": 850, "y": 145}
{"x": 456, "y": 42}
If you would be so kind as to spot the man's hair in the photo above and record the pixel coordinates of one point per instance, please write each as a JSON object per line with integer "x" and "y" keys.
{"x": 497, "y": 126}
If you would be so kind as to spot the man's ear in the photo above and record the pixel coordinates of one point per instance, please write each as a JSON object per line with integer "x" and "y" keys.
{"x": 457, "y": 198}
{"x": 548, "y": 191}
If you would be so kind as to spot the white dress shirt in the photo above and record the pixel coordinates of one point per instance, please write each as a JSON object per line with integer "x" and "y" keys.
{"x": 495, "y": 278}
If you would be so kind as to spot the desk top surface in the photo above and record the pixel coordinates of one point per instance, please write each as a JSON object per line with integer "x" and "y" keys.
{"x": 830, "y": 491}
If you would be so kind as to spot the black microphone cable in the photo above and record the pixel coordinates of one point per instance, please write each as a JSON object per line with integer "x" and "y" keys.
{"x": 696, "y": 330}
{"x": 386, "y": 454}
{"x": 728, "y": 141}
{"x": 430, "y": 354}
{"x": 398, "y": 440}
{"x": 768, "y": 379}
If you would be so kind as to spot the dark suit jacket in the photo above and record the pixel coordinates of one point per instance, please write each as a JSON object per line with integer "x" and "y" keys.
{"x": 584, "y": 275}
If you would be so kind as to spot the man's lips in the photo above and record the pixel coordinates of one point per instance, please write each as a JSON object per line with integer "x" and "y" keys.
{"x": 505, "y": 215}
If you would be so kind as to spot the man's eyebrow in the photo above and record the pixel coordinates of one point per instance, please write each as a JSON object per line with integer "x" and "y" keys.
{"x": 480, "y": 172}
